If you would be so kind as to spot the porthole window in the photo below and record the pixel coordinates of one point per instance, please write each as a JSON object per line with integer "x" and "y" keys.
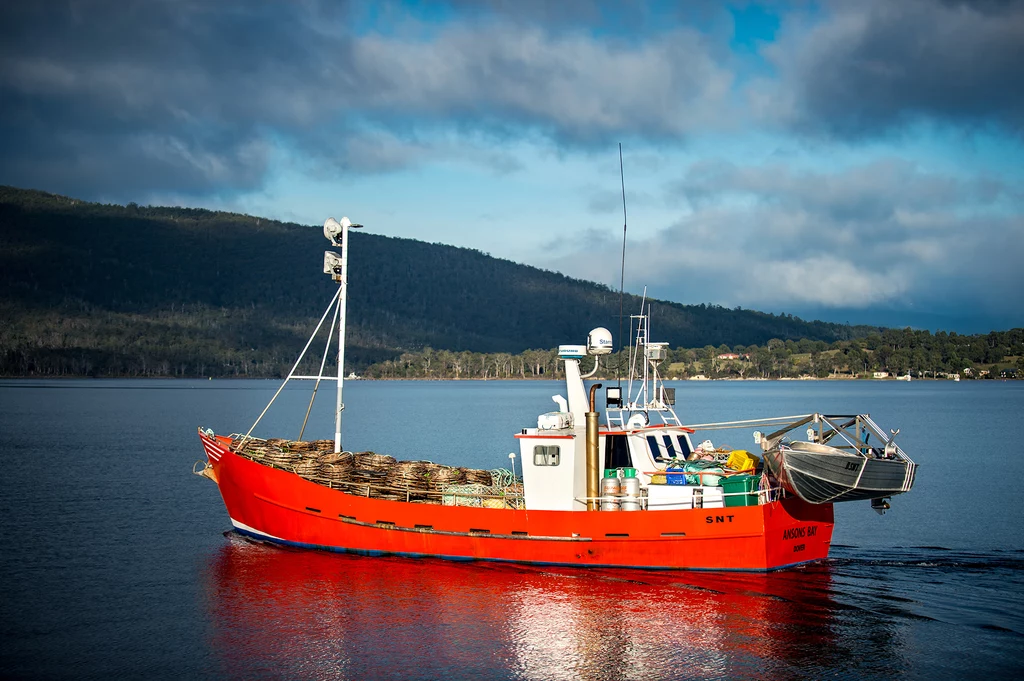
{"x": 545, "y": 455}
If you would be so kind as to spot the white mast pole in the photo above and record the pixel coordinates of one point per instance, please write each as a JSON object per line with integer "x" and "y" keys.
{"x": 342, "y": 299}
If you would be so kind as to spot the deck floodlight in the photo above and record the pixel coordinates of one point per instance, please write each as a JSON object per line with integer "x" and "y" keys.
{"x": 332, "y": 265}
{"x": 613, "y": 396}
{"x": 334, "y": 229}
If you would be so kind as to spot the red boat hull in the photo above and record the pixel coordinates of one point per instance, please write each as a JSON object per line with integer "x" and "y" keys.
{"x": 279, "y": 506}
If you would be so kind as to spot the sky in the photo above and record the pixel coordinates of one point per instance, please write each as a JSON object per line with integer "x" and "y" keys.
{"x": 855, "y": 162}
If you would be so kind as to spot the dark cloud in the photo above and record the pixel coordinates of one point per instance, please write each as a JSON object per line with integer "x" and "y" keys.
{"x": 178, "y": 96}
{"x": 117, "y": 98}
{"x": 876, "y": 66}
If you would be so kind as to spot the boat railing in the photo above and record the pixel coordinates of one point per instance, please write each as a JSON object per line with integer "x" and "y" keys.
{"x": 765, "y": 495}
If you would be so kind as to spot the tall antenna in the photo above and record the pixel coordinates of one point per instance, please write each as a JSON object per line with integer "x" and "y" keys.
{"x": 622, "y": 270}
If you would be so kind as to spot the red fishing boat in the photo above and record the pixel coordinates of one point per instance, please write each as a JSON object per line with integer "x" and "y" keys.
{"x": 632, "y": 491}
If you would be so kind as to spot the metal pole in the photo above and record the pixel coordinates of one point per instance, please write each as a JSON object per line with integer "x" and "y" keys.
{"x": 593, "y": 452}
{"x": 342, "y": 297}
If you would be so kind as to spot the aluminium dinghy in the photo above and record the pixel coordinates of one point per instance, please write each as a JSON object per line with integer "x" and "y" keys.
{"x": 837, "y": 463}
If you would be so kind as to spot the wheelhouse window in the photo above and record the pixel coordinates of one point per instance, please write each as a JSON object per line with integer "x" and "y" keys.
{"x": 665, "y": 447}
{"x": 616, "y": 452}
{"x": 545, "y": 455}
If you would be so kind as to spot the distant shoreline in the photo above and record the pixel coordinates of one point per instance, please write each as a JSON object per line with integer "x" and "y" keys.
{"x": 510, "y": 378}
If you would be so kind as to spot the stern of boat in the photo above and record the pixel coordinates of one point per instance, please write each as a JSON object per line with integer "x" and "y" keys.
{"x": 797, "y": 532}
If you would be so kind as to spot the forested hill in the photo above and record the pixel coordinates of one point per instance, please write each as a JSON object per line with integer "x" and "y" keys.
{"x": 92, "y": 289}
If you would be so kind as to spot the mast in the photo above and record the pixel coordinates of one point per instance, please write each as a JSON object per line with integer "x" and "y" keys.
{"x": 340, "y": 273}
{"x": 342, "y": 300}
{"x": 336, "y": 266}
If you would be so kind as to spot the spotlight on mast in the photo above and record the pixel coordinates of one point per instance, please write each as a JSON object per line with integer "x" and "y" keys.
{"x": 334, "y": 229}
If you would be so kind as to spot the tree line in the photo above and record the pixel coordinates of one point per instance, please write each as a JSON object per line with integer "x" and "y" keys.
{"x": 895, "y": 352}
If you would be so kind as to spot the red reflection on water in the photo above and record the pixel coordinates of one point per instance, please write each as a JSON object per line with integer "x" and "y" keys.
{"x": 282, "y": 613}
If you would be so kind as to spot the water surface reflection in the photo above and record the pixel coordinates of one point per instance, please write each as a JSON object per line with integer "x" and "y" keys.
{"x": 284, "y": 613}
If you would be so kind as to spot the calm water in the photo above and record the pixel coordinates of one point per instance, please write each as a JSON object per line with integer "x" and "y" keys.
{"x": 117, "y": 562}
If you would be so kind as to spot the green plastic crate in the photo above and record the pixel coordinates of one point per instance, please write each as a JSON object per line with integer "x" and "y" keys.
{"x": 741, "y": 490}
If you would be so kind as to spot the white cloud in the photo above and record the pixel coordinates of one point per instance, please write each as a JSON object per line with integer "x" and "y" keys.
{"x": 574, "y": 86}
{"x": 825, "y": 279}
{"x": 883, "y": 233}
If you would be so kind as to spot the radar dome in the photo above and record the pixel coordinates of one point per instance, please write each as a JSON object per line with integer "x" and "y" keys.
{"x": 599, "y": 341}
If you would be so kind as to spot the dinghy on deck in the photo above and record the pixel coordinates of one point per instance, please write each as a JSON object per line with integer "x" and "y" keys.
{"x": 848, "y": 469}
